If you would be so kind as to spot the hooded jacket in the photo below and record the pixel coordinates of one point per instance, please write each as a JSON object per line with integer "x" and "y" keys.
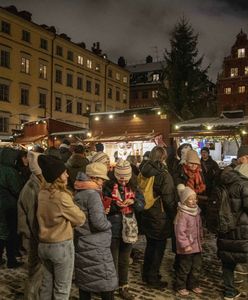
{"x": 233, "y": 246}
{"x": 157, "y": 221}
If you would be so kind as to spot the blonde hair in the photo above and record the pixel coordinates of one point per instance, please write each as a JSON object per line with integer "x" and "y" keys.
{"x": 57, "y": 185}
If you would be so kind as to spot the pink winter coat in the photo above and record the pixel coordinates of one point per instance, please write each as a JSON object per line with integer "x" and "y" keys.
{"x": 188, "y": 231}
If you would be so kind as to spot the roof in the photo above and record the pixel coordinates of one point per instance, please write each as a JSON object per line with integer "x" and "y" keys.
{"x": 147, "y": 67}
{"x": 29, "y": 139}
{"x": 123, "y": 138}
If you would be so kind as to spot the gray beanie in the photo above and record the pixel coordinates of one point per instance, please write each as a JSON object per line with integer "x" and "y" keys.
{"x": 243, "y": 150}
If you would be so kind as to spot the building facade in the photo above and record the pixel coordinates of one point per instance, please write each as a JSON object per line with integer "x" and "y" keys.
{"x": 145, "y": 80}
{"x": 44, "y": 74}
{"x": 232, "y": 83}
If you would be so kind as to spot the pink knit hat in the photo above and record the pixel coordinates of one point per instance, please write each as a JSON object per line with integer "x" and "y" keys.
{"x": 123, "y": 170}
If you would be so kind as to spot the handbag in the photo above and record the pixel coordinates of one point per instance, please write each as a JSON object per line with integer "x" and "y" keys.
{"x": 129, "y": 228}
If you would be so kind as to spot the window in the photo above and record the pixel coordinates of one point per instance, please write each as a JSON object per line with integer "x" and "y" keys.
{"x": 42, "y": 100}
{"x": 80, "y": 60}
{"x": 155, "y": 94}
{"x": 110, "y": 73}
{"x": 117, "y": 95}
{"x": 241, "y": 89}
{"x": 4, "y": 92}
{"x": 117, "y": 75}
{"x": 88, "y": 86}
{"x": 70, "y": 55}
{"x": 59, "y": 51}
{"x": 58, "y": 104}
{"x": 5, "y": 59}
{"x": 110, "y": 93}
{"x": 124, "y": 97}
{"x": 79, "y": 108}
{"x": 241, "y": 52}
{"x": 155, "y": 77}
{"x": 26, "y": 36}
{"x": 69, "y": 106}
{"x": 69, "y": 79}
{"x": 79, "y": 83}
{"x": 144, "y": 94}
{"x": 43, "y": 44}
{"x": 246, "y": 70}
{"x": 25, "y": 65}
{"x": 97, "y": 89}
{"x": 5, "y": 27}
{"x": 24, "y": 96}
{"x": 234, "y": 72}
{"x": 98, "y": 68}
{"x": 89, "y": 63}
{"x": 124, "y": 79}
{"x": 134, "y": 95}
{"x": 4, "y": 124}
{"x": 98, "y": 107}
{"x": 58, "y": 76}
{"x": 88, "y": 108}
{"x": 227, "y": 90}
{"x": 43, "y": 71}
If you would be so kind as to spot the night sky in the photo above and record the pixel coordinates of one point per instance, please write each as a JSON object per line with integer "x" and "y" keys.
{"x": 137, "y": 28}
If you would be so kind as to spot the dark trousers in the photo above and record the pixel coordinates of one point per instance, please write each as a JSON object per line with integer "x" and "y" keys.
{"x": 228, "y": 278}
{"x": 154, "y": 253}
{"x": 10, "y": 250}
{"x": 188, "y": 271}
{"x": 121, "y": 253}
{"x": 104, "y": 295}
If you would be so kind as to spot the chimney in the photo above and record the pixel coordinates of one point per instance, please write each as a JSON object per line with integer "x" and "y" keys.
{"x": 149, "y": 59}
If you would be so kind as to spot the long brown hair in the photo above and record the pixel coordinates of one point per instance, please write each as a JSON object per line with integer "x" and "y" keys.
{"x": 57, "y": 185}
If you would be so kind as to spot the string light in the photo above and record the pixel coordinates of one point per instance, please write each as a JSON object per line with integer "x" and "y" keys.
{"x": 209, "y": 127}
{"x": 176, "y": 127}
{"x": 159, "y": 113}
{"x": 111, "y": 116}
{"x": 89, "y": 134}
{"x": 134, "y": 116}
{"x": 70, "y": 135}
{"x": 96, "y": 118}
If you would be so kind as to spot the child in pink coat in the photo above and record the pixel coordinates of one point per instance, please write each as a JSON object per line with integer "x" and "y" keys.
{"x": 188, "y": 231}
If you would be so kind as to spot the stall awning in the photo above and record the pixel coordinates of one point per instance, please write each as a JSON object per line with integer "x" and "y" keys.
{"x": 123, "y": 138}
{"x": 29, "y": 139}
{"x": 202, "y": 133}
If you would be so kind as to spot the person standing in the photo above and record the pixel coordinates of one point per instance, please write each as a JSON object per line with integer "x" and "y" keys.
{"x": 28, "y": 226}
{"x": 189, "y": 236}
{"x": 157, "y": 221}
{"x": 94, "y": 266}
{"x": 232, "y": 246}
{"x": 57, "y": 215}
{"x": 124, "y": 198}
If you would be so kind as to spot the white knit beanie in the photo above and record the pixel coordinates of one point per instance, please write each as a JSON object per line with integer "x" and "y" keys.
{"x": 33, "y": 162}
{"x": 184, "y": 193}
{"x": 123, "y": 170}
{"x": 101, "y": 157}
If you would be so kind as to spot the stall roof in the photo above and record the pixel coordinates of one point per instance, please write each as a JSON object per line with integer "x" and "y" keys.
{"x": 123, "y": 138}
{"x": 29, "y": 139}
{"x": 70, "y": 132}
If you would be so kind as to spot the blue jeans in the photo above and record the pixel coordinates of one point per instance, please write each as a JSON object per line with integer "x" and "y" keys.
{"x": 58, "y": 262}
{"x": 228, "y": 278}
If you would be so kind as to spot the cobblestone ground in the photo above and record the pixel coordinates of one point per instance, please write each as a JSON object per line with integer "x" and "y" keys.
{"x": 12, "y": 281}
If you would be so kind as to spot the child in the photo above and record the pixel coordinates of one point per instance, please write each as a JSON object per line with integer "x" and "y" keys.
{"x": 188, "y": 231}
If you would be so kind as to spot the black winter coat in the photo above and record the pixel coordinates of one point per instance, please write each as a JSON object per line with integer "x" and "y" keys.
{"x": 157, "y": 221}
{"x": 211, "y": 172}
{"x": 233, "y": 246}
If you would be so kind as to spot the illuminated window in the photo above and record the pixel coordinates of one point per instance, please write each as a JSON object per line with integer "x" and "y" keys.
{"x": 25, "y": 65}
{"x": 155, "y": 77}
{"x": 124, "y": 79}
{"x": 227, "y": 91}
{"x": 234, "y": 72}
{"x": 155, "y": 94}
{"x": 241, "y": 89}
{"x": 97, "y": 67}
{"x": 246, "y": 70}
{"x": 80, "y": 60}
{"x": 89, "y": 63}
{"x": 241, "y": 52}
{"x": 118, "y": 76}
{"x": 43, "y": 71}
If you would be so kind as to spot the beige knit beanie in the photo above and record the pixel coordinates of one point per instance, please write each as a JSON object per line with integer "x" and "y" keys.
{"x": 123, "y": 170}
{"x": 101, "y": 157}
{"x": 192, "y": 157}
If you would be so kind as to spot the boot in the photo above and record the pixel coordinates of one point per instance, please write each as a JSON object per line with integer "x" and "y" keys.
{"x": 125, "y": 294}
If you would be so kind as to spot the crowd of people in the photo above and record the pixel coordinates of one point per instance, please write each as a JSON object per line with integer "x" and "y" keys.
{"x": 74, "y": 213}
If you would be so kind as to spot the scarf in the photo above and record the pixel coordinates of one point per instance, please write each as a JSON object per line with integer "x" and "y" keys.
{"x": 116, "y": 196}
{"x": 192, "y": 211}
{"x": 86, "y": 185}
{"x": 194, "y": 181}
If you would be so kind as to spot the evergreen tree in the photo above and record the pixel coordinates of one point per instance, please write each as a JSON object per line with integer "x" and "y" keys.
{"x": 185, "y": 86}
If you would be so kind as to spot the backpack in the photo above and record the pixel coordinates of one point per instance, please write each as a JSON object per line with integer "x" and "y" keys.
{"x": 219, "y": 216}
{"x": 146, "y": 186}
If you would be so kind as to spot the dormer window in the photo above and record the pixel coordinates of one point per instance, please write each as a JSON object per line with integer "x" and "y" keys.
{"x": 241, "y": 52}
{"x": 234, "y": 72}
